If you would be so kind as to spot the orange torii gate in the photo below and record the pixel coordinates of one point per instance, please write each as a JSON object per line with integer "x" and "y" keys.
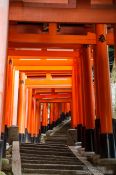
{"x": 30, "y": 83}
{"x": 43, "y": 69}
{"x": 23, "y": 64}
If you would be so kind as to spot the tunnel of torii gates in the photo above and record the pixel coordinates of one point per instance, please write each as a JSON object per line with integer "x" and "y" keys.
{"x": 60, "y": 80}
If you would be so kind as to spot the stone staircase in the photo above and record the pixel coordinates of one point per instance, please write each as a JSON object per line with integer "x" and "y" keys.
{"x": 51, "y": 158}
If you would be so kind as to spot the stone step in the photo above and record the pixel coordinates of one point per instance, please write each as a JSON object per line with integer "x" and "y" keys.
{"x": 63, "y": 162}
{"x": 37, "y": 174}
{"x": 52, "y": 157}
{"x": 47, "y": 157}
{"x": 56, "y": 138}
{"x": 33, "y": 152}
{"x": 54, "y": 166}
{"x": 58, "y": 135}
{"x": 46, "y": 149}
{"x": 54, "y": 172}
{"x": 56, "y": 143}
{"x": 44, "y": 145}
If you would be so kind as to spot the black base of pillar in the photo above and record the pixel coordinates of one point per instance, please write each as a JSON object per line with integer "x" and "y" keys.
{"x": 35, "y": 139}
{"x": 114, "y": 129}
{"x": 108, "y": 149}
{"x": 54, "y": 123}
{"x": 44, "y": 129}
{"x": 79, "y": 133}
{"x": 1, "y": 152}
{"x": 67, "y": 115}
{"x": 89, "y": 140}
{"x": 97, "y": 136}
{"x": 22, "y": 138}
{"x": 58, "y": 122}
{"x": 51, "y": 126}
{"x": 4, "y": 137}
{"x": 63, "y": 116}
{"x": 83, "y": 136}
{"x": 32, "y": 139}
{"x": 28, "y": 137}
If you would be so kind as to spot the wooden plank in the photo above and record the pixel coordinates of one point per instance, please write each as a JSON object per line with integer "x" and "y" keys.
{"x": 80, "y": 15}
{"x": 42, "y": 91}
{"x": 44, "y": 68}
{"x": 37, "y": 53}
{"x": 99, "y": 2}
{"x": 90, "y": 38}
{"x": 38, "y": 45}
{"x": 48, "y": 1}
{"x": 51, "y": 83}
{"x": 42, "y": 62}
{"x": 55, "y": 100}
{"x": 52, "y": 96}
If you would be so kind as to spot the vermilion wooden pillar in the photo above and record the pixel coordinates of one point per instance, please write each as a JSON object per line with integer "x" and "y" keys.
{"x": 4, "y": 8}
{"x": 56, "y": 113}
{"x": 89, "y": 99}
{"x": 63, "y": 107}
{"x": 51, "y": 122}
{"x": 44, "y": 118}
{"x": 8, "y": 106}
{"x": 26, "y": 115}
{"x": 97, "y": 103}
{"x": 83, "y": 99}
{"x": 63, "y": 111}
{"x": 37, "y": 121}
{"x": 103, "y": 79}
{"x": 115, "y": 43}
{"x": 22, "y": 106}
{"x": 33, "y": 120}
{"x": 83, "y": 90}
{"x": 15, "y": 96}
{"x": 68, "y": 109}
{"x": 80, "y": 105}
{"x": 75, "y": 114}
{"x": 29, "y": 113}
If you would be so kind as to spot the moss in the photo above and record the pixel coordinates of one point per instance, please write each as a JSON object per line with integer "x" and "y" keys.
{"x": 5, "y": 161}
{"x": 2, "y": 173}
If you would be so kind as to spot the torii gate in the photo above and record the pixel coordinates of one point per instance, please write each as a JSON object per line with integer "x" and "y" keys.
{"x": 79, "y": 69}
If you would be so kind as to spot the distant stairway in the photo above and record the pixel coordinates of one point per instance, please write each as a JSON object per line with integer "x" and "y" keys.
{"x": 52, "y": 158}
